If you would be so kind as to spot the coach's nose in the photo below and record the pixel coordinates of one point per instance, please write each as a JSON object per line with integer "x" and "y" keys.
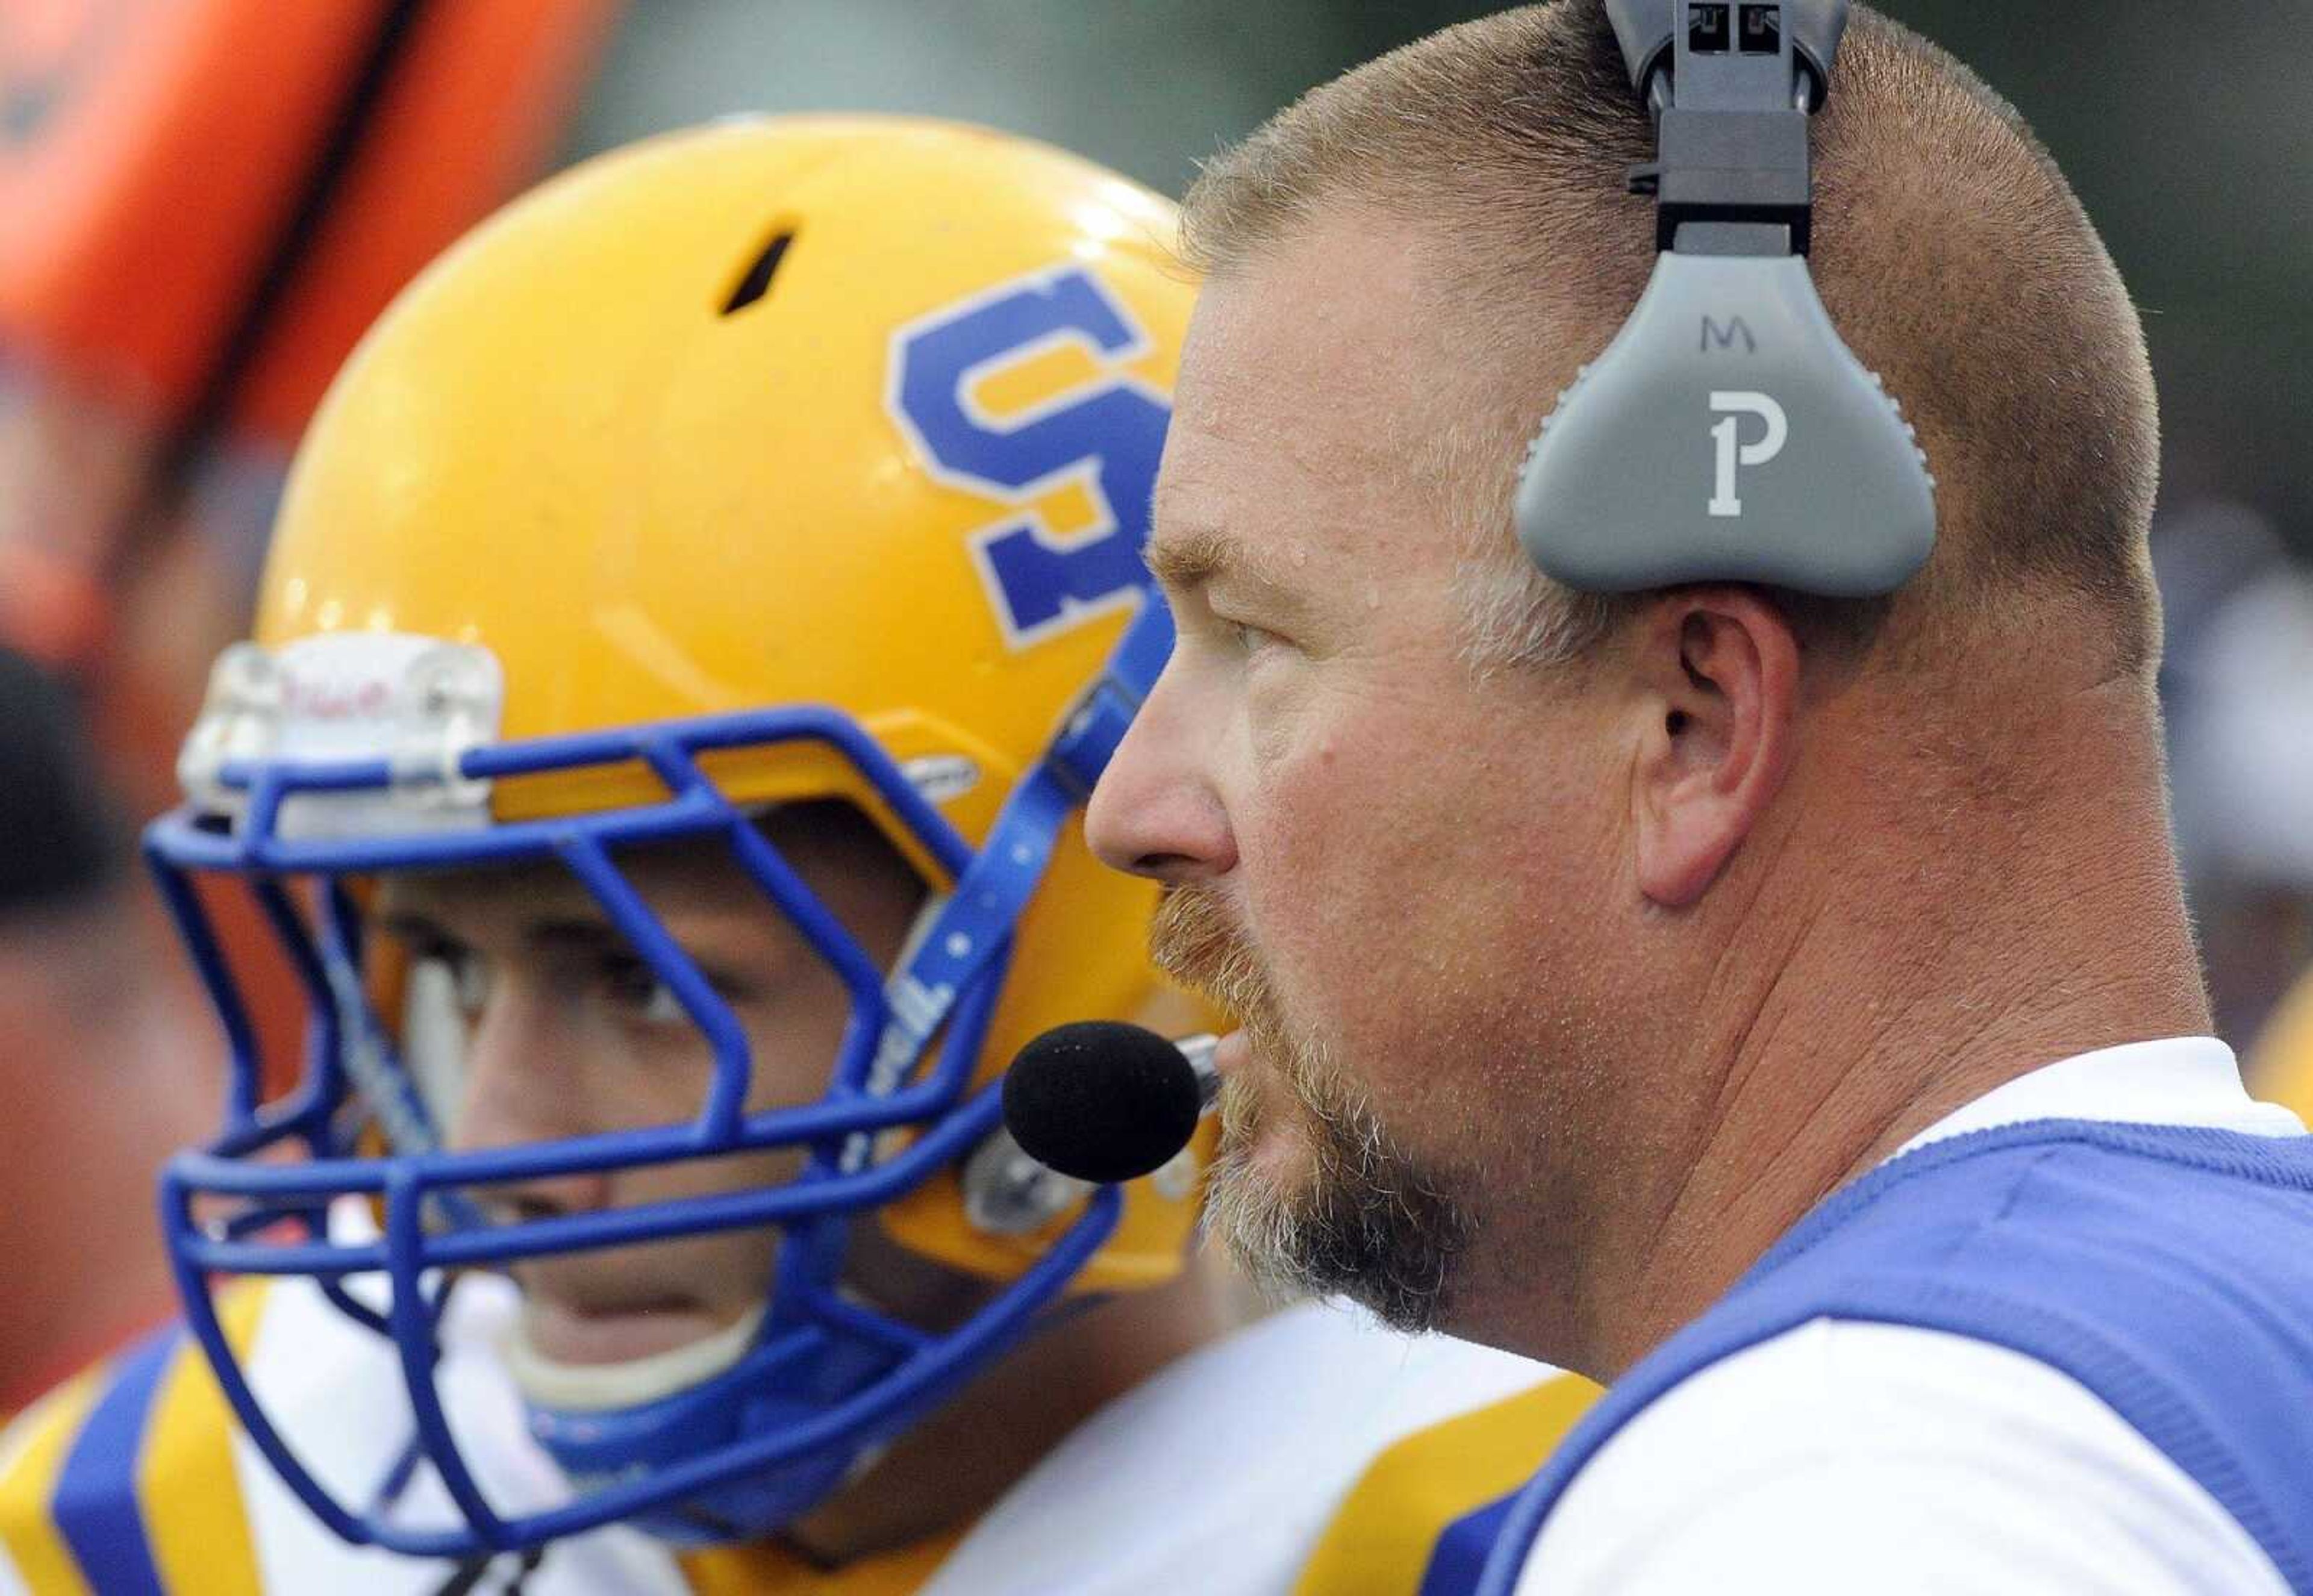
{"x": 1157, "y": 812}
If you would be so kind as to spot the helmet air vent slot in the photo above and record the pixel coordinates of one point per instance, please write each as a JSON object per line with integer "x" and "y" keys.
{"x": 756, "y": 280}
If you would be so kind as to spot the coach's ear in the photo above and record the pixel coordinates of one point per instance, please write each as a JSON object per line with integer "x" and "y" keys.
{"x": 1718, "y": 676}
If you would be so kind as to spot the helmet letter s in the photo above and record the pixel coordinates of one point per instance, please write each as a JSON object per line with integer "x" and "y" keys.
{"x": 1106, "y": 436}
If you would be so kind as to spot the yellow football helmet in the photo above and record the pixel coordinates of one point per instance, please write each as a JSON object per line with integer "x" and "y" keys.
{"x": 785, "y": 459}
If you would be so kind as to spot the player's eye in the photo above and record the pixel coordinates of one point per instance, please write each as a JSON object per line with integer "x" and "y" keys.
{"x": 470, "y": 973}
{"x": 474, "y": 973}
{"x": 661, "y": 1007}
{"x": 635, "y": 987}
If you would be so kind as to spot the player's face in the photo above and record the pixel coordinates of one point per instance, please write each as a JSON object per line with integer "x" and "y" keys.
{"x": 1380, "y": 855}
{"x": 567, "y": 1032}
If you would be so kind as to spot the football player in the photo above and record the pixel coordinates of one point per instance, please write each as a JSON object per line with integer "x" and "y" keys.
{"x": 689, "y": 633}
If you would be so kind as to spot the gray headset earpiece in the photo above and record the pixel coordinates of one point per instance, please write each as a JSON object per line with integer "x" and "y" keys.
{"x": 1727, "y": 434}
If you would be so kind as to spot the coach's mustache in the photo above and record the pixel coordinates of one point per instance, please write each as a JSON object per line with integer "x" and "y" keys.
{"x": 1194, "y": 940}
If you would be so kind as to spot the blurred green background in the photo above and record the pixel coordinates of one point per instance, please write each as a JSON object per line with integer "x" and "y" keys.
{"x": 2187, "y": 131}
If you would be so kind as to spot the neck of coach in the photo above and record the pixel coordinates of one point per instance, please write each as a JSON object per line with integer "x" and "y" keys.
{"x": 1928, "y": 913}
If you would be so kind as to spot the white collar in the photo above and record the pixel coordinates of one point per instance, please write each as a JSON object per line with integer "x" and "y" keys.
{"x": 2179, "y": 1081}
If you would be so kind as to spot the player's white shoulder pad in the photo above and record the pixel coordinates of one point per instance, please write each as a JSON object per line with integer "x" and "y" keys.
{"x": 1424, "y": 1514}
{"x": 1220, "y": 1474}
{"x": 136, "y": 1479}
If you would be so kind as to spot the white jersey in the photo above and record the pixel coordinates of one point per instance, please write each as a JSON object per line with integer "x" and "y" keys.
{"x": 1842, "y": 1456}
{"x": 1217, "y": 1476}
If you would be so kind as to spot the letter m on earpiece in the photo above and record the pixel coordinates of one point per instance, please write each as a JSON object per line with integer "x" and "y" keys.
{"x": 1733, "y": 453}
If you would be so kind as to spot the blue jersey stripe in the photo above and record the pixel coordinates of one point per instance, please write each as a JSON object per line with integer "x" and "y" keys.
{"x": 1459, "y": 1558}
{"x": 95, "y": 1504}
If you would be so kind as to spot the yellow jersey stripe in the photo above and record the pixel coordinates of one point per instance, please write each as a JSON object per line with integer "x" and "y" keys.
{"x": 773, "y": 1571}
{"x": 194, "y": 1516}
{"x": 1379, "y": 1544}
{"x": 27, "y": 1480}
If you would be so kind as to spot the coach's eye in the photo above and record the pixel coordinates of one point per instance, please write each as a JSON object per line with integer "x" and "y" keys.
{"x": 1248, "y": 638}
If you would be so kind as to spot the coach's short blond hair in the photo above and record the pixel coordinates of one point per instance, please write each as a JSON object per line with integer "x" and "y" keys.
{"x": 1948, "y": 248}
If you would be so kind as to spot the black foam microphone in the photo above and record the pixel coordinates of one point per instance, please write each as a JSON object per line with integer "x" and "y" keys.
{"x": 1102, "y": 1100}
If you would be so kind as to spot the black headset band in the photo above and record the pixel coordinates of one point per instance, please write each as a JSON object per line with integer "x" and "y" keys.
{"x": 1727, "y": 434}
{"x": 1730, "y": 84}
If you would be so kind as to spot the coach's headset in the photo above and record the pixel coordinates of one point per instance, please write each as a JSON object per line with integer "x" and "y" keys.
{"x": 1727, "y": 435}
{"x": 1814, "y": 480}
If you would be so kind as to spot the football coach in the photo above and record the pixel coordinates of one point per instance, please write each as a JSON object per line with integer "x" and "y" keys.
{"x": 1661, "y": 759}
